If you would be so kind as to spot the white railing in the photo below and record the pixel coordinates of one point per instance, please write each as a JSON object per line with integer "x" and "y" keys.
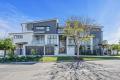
{"x": 38, "y": 42}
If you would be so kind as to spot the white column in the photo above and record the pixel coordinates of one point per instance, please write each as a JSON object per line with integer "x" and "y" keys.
{"x": 67, "y": 47}
{"x": 24, "y": 50}
{"x": 46, "y": 35}
{"x": 56, "y": 49}
{"x": 44, "y": 49}
{"x": 91, "y": 45}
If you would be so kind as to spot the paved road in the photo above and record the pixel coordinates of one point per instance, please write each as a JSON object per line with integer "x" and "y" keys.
{"x": 90, "y": 70}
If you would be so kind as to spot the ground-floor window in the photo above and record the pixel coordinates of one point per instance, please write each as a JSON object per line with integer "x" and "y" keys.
{"x": 49, "y": 50}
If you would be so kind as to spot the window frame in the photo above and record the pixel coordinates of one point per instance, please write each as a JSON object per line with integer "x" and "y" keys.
{"x": 18, "y": 36}
{"x": 52, "y": 39}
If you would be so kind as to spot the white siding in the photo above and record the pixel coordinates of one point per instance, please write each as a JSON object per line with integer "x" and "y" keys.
{"x": 70, "y": 50}
{"x": 27, "y": 37}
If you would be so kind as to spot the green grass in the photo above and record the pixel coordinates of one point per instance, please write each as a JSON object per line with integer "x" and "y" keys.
{"x": 60, "y": 58}
{"x": 73, "y": 58}
{"x": 48, "y": 59}
{"x": 89, "y": 58}
{"x": 55, "y": 58}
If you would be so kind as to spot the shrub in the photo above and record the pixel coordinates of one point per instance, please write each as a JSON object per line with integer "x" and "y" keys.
{"x": 33, "y": 52}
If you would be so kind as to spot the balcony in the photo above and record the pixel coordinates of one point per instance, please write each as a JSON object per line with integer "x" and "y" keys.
{"x": 38, "y": 39}
{"x": 38, "y": 42}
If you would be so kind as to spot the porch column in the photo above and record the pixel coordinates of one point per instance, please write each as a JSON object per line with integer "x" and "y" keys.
{"x": 46, "y": 39}
{"x": 24, "y": 50}
{"x": 67, "y": 43}
{"x": 44, "y": 49}
{"x": 91, "y": 45}
{"x": 45, "y": 43}
{"x": 56, "y": 49}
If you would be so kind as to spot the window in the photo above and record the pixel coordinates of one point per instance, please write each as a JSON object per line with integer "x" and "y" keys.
{"x": 96, "y": 29}
{"x": 39, "y": 39}
{"x": 52, "y": 39}
{"x": 29, "y": 27}
{"x": 47, "y": 28}
{"x": 39, "y": 28}
{"x": 60, "y": 31}
{"x": 18, "y": 36}
{"x": 71, "y": 41}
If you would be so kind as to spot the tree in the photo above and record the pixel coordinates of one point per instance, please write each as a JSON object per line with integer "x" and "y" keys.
{"x": 79, "y": 30}
{"x": 115, "y": 47}
{"x": 6, "y": 44}
{"x": 33, "y": 52}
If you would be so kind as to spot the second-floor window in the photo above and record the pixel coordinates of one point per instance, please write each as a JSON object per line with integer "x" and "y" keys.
{"x": 47, "y": 28}
{"x": 71, "y": 41}
{"x": 39, "y": 39}
{"x": 39, "y": 28}
{"x": 18, "y": 36}
{"x": 52, "y": 39}
{"x": 60, "y": 31}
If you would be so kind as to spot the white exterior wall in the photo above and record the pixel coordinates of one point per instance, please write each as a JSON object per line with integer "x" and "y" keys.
{"x": 27, "y": 37}
{"x": 70, "y": 49}
{"x": 91, "y": 45}
{"x": 24, "y": 54}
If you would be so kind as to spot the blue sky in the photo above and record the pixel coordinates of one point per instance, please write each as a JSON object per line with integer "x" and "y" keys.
{"x": 105, "y": 12}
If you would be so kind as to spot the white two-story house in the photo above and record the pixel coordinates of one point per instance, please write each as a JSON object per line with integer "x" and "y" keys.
{"x": 46, "y": 38}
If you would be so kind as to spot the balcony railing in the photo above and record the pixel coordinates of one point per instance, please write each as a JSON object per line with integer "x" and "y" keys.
{"x": 38, "y": 42}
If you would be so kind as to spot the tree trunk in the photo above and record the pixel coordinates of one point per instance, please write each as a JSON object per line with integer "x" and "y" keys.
{"x": 117, "y": 52}
{"x": 13, "y": 51}
{"x": 4, "y": 55}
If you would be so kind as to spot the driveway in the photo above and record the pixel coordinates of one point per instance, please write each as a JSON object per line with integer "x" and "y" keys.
{"x": 90, "y": 70}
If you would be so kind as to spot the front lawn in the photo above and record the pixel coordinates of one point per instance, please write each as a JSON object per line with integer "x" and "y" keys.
{"x": 58, "y": 58}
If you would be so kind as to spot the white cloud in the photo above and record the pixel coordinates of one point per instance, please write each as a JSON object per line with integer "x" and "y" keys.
{"x": 109, "y": 17}
{"x": 10, "y": 19}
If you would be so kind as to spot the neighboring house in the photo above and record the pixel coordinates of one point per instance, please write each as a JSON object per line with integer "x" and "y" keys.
{"x": 46, "y": 38}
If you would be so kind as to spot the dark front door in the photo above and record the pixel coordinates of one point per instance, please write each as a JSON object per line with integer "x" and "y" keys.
{"x": 38, "y": 49}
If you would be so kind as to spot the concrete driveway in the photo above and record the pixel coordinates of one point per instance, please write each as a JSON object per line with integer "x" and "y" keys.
{"x": 90, "y": 70}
